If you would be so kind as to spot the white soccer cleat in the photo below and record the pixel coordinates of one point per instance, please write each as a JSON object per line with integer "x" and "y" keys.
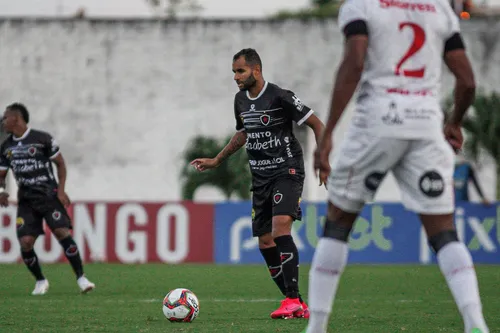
{"x": 85, "y": 285}
{"x": 41, "y": 287}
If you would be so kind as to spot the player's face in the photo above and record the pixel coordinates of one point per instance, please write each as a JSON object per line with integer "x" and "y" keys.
{"x": 9, "y": 120}
{"x": 243, "y": 74}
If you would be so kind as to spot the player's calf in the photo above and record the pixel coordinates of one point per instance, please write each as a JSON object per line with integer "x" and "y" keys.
{"x": 289, "y": 255}
{"x": 273, "y": 260}
{"x": 329, "y": 261}
{"x": 457, "y": 266}
{"x": 73, "y": 255}
{"x": 30, "y": 259}
{"x": 70, "y": 250}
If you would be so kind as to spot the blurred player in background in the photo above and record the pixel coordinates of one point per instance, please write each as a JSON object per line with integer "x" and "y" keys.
{"x": 264, "y": 114}
{"x": 30, "y": 153}
{"x": 395, "y": 49}
{"x": 464, "y": 173}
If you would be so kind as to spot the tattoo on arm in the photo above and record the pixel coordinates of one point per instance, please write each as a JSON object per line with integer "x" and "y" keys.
{"x": 237, "y": 141}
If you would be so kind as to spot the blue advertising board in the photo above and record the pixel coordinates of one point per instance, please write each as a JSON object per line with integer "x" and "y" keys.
{"x": 384, "y": 233}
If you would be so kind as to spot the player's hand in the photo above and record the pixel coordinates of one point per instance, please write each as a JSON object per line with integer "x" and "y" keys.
{"x": 63, "y": 197}
{"x": 322, "y": 159}
{"x": 453, "y": 134}
{"x": 202, "y": 164}
{"x": 4, "y": 199}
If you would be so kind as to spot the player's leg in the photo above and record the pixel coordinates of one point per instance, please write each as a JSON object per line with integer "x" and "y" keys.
{"x": 329, "y": 261}
{"x": 426, "y": 181}
{"x": 357, "y": 171}
{"x": 457, "y": 267}
{"x": 261, "y": 228}
{"x": 286, "y": 196}
{"x": 59, "y": 222}
{"x": 271, "y": 255}
{"x": 29, "y": 227}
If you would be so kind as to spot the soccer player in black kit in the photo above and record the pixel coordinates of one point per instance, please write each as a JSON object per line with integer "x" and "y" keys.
{"x": 264, "y": 116}
{"x": 29, "y": 153}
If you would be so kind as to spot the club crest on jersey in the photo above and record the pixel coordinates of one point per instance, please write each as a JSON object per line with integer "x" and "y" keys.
{"x": 252, "y": 107}
{"x": 277, "y": 198}
{"x": 56, "y": 215}
{"x": 32, "y": 151}
{"x": 265, "y": 119}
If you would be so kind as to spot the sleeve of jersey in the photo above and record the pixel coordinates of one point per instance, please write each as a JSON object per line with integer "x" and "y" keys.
{"x": 453, "y": 40}
{"x": 353, "y": 18}
{"x": 237, "y": 117}
{"x": 53, "y": 148}
{"x": 299, "y": 111}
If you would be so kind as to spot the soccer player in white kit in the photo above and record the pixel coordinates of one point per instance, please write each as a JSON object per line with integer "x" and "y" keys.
{"x": 395, "y": 49}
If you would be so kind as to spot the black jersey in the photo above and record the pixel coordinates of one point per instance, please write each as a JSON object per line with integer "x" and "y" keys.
{"x": 29, "y": 157}
{"x": 268, "y": 119}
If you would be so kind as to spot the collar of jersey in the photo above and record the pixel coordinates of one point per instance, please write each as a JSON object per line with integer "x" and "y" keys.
{"x": 260, "y": 94}
{"x": 22, "y": 137}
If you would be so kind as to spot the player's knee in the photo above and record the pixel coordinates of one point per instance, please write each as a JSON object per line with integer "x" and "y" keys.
{"x": 335, "y": 230}
{"x": 443, "y": 238}
{"x": 266, "y": 241}
{"x": 338, "y": 224}
{"x": 282, "y": 225}
{"x": 61, "y": 233}
{"x": 27, "y": 243}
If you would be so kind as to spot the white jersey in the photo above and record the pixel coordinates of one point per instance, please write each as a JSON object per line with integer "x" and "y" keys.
{"x": 399, "y": 88}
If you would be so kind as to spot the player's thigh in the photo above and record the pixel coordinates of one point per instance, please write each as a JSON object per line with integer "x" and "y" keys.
{"x": 261, "y": 211}
{"x": 29, "y": 222}
{"x": 425, "y": 177}
{"x": 359, "y": 167}
{"x": 286, "y": 195}
{"x": 56, "y": 216}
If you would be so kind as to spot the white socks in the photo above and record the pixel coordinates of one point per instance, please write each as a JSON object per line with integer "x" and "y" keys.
{"x": 456, "y": 265}
{"x": 454, "y": 261}
{"x": 328, "y": 264}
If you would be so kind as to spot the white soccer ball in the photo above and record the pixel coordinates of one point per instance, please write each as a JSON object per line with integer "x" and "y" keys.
{"x": 181, "y": 305}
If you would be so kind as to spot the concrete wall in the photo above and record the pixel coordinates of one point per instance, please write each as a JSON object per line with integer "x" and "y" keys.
{"x": 125, "y": 97}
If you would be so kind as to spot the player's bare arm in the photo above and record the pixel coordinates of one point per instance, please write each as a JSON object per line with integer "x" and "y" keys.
{"x": 237, "y": 141}
{"x": 347, "y": 79}
{"x": 61, "y": 175}
{"x": 314, "y": 123}
{"x": 4, "y": 196}
{"x": 317, "y": 126}
{"x": 465, "y": 89}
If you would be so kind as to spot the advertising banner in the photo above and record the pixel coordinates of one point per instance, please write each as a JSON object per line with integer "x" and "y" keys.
{"x": 384, "y": 233}
{"x": 124, "y": 232}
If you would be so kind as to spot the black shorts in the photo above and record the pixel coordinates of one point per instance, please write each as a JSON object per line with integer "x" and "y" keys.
{"x": 279, "y": 197}
{"x": 31, "y": 213}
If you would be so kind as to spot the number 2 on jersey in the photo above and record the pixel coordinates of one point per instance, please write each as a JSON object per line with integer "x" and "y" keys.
{"x": 416, "y": 45}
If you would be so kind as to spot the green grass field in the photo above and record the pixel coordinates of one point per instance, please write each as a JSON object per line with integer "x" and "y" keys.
{"x": 128, "y": 298}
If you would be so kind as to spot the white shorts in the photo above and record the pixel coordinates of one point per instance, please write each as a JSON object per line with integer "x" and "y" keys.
{"x": 423, "y": 170}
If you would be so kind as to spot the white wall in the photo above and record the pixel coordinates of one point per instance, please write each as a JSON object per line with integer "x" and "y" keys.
{"x": 125, "y": 97}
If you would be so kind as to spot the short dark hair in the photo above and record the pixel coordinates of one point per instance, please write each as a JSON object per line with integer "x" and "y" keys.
{"x": 21, "y": 109}
{"x": 252, "y": 58}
